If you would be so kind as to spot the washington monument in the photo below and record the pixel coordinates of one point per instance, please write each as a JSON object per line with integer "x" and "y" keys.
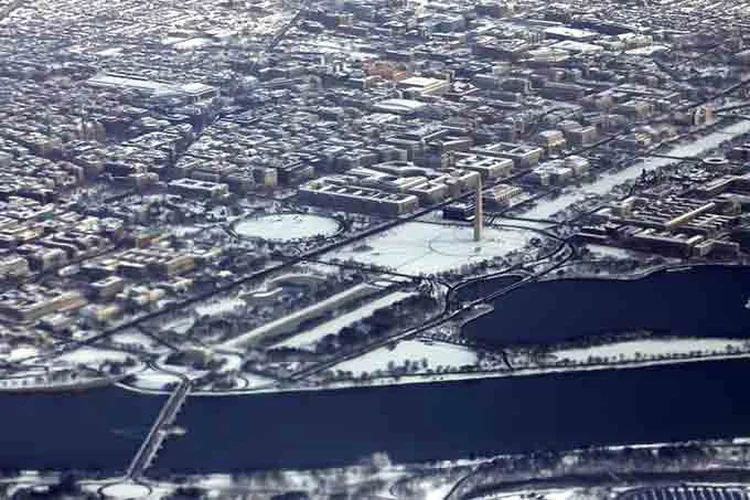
{"x": 478, "y": 216}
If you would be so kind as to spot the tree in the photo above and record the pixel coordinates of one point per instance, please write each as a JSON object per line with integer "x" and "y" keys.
{"x": 187, "y": 493}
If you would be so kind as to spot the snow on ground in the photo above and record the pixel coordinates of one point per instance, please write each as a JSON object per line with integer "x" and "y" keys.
{"x": 133, "y": 337}
{"x": 21, "y": 353}
{"x": 282, "y": 323}
{"x": 216, "y": 481}
{"x": 153, "y": 380}
{"x": 286, "y": 227}
{"x": 412, "y": 351}
{"x": 530, "y": 224}
{"x": 605, "y": 251}
{"x": 233, "y": 362}
{"x": 184, "y": 230}
{"x": 126, "y": 491}
{"x": 333, "y": 326}
{"x": 648, "y": 347}
{"x": 439, "y": 493}
{"x": 181, "y": 325}
{"x": 535, "y": 494}
{"x": 418, "y": 247}
{"x": 93, "y": 357}
{"x": 544, "y": 209}
{"x": 256, "y": 380}
{"x": 221, "y": 306}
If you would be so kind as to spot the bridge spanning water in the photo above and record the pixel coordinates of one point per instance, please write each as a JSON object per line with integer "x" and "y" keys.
{"x": 159, "y": 431}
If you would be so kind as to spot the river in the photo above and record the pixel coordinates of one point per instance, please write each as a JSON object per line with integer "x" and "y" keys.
{"x": 704, "y": 301}
{"x": 102, "y": 428}
{"x": 96, "y": 429}
{"x": 459, "y": 419}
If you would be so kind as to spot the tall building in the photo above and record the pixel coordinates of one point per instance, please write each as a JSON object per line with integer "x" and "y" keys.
{"x": 478, "y": 216}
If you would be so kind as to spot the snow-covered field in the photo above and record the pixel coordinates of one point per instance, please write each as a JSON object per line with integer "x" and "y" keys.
{"x": 284, "y": 322}
{"x": 546, "y": 208}
{"x": 219, "y": 307}
{"x": 421, "y": 248}
{"x": 20, "y": 353}
{"x": 153, "y": 380}
{"x": 133, "y": 337}
{"x": 254, "y": 380}
{"x": 181, "y": 325}
{"x": 605, "y": 251}
{"x": 412, "y": 351}
{"x": 287, "y": 227}
{"x": 648, "y": 347}
{"x": 557, "y": 494}
{"x": 126, "y": 490}
{"x": 333, "y": 326}
{"x": 93, "y": 357}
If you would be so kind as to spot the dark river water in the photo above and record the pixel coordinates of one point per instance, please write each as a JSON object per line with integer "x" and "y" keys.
{"x": 457, "y": 419}
{"x": 705, "y": 301}
{"x": 102, "y": 428}
{"x": 97, "y": 429}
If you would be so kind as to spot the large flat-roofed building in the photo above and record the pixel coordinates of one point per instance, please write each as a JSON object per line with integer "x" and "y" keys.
{"x": 489, "y": 167}
{"x": 501, "y": 195}
{"x": 565, "y": 33}
{"x": 684, "y": 214}
{"x": 424, "y": 86}
{"x": 163, "y": 261}
{"x": 558, "y": 172}
{"x": 356, "y": 198}
{"x": 460, "y": 211}
{"x": 523, "y": 155}
{"x": 399, "y": 106}
{"x": 198, "y": 188}
{"x": 664, "y": 242}
{"x": 33, "y": 302}
{"x": 551, "y": 140}
{"x": 193, "y": 91}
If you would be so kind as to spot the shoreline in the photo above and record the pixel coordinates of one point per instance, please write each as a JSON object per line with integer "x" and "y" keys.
{"x": 449, "y": 377}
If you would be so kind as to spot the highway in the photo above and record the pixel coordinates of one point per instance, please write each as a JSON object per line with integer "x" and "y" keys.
{"x": 150, "y": 446}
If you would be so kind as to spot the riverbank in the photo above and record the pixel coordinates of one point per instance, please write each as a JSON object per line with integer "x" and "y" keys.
{"x": 415, "y": 379}
{"x": 458, "y": 371}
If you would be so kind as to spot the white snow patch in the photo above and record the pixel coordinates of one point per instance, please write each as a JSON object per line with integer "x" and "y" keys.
{"x": 648, "y": 347}
{"x": 216, "y": 481}
{"x": 287, "y": 227}
{"x": 218, "y": 307}
{"x": 132, "y": 337}
{"x": 153, "y": 380}
{"x": 180, "y": 325}
{"x": 232, "y": 362}
{"x": 254, "y": 380}
{"x": 533, "y": 494}
{"x": 21, "y": 353}
{"x": 421, "y": 248}
{"x": 335, "y": 325}
{"x": 93, "y": 357}
{"x": 184, "y": 230}
{"x": 439, "y": 493}
{"x": 605, "y": 251}
{"x": 412, "y": 351}
{"x": 126, "y": 491}
{"x": 284, "y": 322}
